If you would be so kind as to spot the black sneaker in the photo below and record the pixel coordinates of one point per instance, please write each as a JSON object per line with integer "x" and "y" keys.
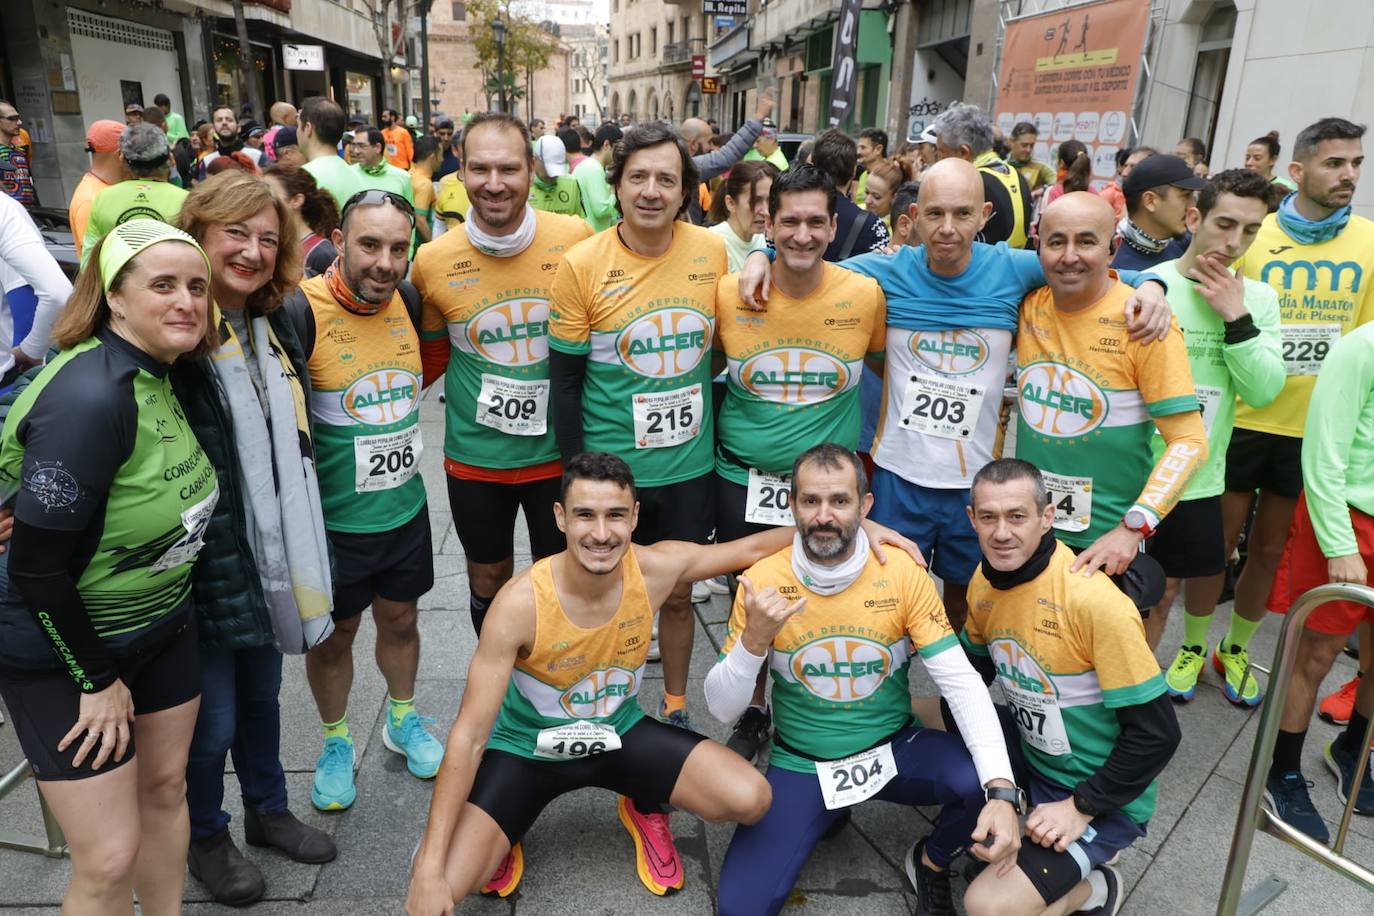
{"x": 752, "y": 732}
{"x": 1115, "y": 897}
{"x": 933, "y": 894}
{"x": 1287, "y": 799}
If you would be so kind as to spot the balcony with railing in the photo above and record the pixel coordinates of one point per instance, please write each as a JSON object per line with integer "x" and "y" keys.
{"x": 678, "y": 54}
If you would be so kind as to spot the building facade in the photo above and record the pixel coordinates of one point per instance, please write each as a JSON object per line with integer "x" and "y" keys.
{"x": 591, "y": 71}
{"x": 456, "y": 82}
{"x": 653, "y": 44}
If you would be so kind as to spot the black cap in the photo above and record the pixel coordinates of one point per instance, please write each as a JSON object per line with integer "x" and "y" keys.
{"x": 1159, "y": 170}
{"x": 285, "y": 136}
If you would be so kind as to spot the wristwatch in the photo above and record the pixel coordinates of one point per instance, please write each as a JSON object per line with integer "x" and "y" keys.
{"x": 1015, "y": 795}
{"x": 1138, "y": 522}
{"x": 1085, "y": 807}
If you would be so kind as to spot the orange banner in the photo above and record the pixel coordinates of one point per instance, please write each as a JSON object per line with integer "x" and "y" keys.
{"x": 1073, "y": 73}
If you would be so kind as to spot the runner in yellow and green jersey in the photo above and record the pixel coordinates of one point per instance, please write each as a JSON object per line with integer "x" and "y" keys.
{"x": 1319, "y": 257}
{"x": 359, "y": 335}
{"x": 1085, "y": 697}
{"x": 485, "y": 288}
{"x": 1090, "y": 398}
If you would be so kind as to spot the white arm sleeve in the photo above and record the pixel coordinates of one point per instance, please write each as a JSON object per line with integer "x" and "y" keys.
{"x": 971, "y": 704}
{"x": 730, "y": 682}
{"x": 23, "y": 251}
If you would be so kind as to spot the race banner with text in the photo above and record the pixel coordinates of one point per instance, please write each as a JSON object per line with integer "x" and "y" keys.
{"x": 1074, "y": 73}
{"x": 843, "y": 69}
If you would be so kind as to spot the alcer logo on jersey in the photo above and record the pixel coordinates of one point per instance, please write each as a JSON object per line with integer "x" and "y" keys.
{"x": 1059, "y": 401}
{"x": 1017, "y": 666}
{"x": 794, "y": 375}
{"x": 599, "y": 694}
{"x": 666, "y": 343}
{"x": 511, "y": 333}
{"x": 382, "y": 397}
{"x": 950, "y": 352}
{"x": 842, "y": 669}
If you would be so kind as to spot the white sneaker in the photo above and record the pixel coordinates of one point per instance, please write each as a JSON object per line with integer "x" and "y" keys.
{"x": 654, "y": 655}
{"x": 701, "y": 592}
{"x": 718, "y": 586}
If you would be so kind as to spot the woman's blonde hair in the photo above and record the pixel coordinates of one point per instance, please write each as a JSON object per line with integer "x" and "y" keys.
{"x": 88, "y": 309}
{"x": 234, "y": 197}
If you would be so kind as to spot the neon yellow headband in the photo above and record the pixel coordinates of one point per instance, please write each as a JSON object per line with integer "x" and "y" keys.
{"x": 125, "y": 241}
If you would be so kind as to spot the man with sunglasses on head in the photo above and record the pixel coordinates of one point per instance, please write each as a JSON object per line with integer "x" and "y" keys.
{"x": 358, "y": 326}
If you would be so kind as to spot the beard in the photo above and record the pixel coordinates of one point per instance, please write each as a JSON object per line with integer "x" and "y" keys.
{"x": 823, "y": 550}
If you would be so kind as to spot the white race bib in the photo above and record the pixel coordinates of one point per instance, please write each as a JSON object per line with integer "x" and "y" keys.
{"x": 1305, "y": 346}
{"x": 667, "y": 418}
{"x": 387, "y": 460}
{"x": 770, "y": 499}
{"x": 1073, "y": 500}
{"x": 1039, "y": 719}
{"x": 1209, "y": 396}
{"x": 576, "y": 740}
{"x": 513, "y": 406}
{"x": 851, "y": 780}
{"x": 194, "y": 520}
{"x": 942, "y": 407}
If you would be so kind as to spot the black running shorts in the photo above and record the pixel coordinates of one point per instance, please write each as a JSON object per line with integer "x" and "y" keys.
{"x": 398, "y": 565}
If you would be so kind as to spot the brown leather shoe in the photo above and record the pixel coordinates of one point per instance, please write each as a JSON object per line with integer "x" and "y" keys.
{"x": 230, "y": 878}
{"x": 284, "y": 831}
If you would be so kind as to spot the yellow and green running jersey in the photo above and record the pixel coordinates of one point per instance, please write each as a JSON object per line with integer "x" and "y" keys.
{"x": 794, "y": 370}
{"x": 839, "y": 666}
{"x": 485, "y": 326}
{"x": 646, "y": 326}
{"x": 577, "y": 674}
{"x": 1068, "y": 650}
{"x": 1325, "y": 291}
{"x": 1088, "y": 396}
{"x": 365, "y": 409}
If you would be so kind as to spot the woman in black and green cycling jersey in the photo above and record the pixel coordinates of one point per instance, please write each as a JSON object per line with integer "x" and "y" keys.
{"x": 111, "y": 492}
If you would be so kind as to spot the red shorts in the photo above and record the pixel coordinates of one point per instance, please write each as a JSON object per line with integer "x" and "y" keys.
{"x": 1303, "y": 567}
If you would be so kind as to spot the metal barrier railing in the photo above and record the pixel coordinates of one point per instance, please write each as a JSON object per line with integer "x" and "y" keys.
{"x": 55, "y": 844}
{"x": 1253, "y": 815}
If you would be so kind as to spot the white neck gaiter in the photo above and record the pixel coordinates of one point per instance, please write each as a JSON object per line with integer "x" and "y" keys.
{"x": 828, "y": 580}
{"x": 501, "y": 246}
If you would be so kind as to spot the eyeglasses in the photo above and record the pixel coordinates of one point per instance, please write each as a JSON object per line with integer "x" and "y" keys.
{"x": 374, "y": 197}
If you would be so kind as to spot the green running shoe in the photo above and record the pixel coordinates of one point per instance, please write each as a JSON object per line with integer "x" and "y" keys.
{"x": 1240, "y": 688}
{"x": 1181, "y": 678}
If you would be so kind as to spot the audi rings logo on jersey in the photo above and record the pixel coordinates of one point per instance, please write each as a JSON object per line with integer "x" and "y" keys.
{"x": 842, "y": 669}
{"x": 382, "y": 397}
{"x": 794, "y": 375}
{"x": 1060, "y": 402}
{"x": 599, "y": 694}
{"x": 511, "y": 333}
{"x": 1018, "y": 667}
{"x": 951, "y": 352}
{"x": 666, "y": 343}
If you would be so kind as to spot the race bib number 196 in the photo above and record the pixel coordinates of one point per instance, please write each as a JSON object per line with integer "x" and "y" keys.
{"x": 576, "y": 740}
{"x": 667, "y": 418}
{"x": 1073, "y": 501}
{"x": 853, "y": 779}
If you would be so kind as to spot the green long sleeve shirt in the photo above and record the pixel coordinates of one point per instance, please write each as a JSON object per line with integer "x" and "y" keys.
{"x": 1338, "y": 442}
{"x": 598, "y": 200}
{"x": 1252, "y": 368}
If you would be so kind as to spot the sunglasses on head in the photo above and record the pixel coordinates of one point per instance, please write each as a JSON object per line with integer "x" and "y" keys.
{"x": 374, "y": 197}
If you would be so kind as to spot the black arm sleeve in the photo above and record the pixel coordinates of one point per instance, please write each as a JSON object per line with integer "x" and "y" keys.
{"x": 40, "y": 572}
{"x": 566, "y": 375}
{"x": 1149, "y": 737}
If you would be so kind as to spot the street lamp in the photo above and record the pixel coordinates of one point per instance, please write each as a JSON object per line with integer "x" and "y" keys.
{"x": 498, "y": 35}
